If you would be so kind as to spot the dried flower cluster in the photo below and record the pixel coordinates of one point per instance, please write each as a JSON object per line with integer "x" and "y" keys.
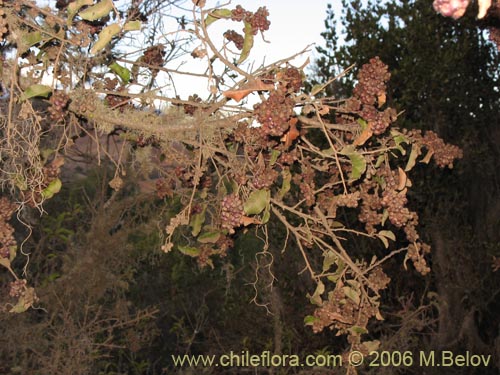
{"x": 257, "y": 20}
{"x": 58, "y": 103}
{"x": 369, "y": 92}
{"x": 7, "y": 240}
{"x": 235, "y": 37}
{"x": 232, "y": 212}
{"x": 3, "y": 22}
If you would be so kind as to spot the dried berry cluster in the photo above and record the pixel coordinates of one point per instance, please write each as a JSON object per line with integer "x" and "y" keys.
{"x": 7, "y": 240}
{"x": 257, "y": 20}
{"x": 163, "y": 188}
{"x": 443, "y": 154}
{"x": 306, "y": 183}
{"x": 189, "y": 108}
{"x": 264, "y": 178}
{"x": 370, "y": 90}
{"x": 274, "y": 113}
{"x": 341, "y": 312}
{"x": 17, "y": 288}
{"x": 378, "y": 121}
{"x": 378, "y": 280}
{"x": 3, "y": 22}
{"x": 416, "y": 252}
{"x": 154, "y": 55}
{"x": 232, "y": 212}
{"x": 290, "y": 80}
{"x": 371, "y": 204}
{"x": 235, "y": 37}
{"x": 59, "y": 101}
{"x": 117, "y": 101}
{"x": 372, "y": 79}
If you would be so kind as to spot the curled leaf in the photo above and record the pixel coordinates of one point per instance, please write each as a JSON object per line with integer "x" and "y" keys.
{"x": 247, "y": 89}
{"x": 247, "y": 43}
{"x": 217, "y": 14}
{"x": 97, "y": 11}
{"x": 36, "y": 90}
{"x": 257, "y": 201}
{"x": 105, "y": 37}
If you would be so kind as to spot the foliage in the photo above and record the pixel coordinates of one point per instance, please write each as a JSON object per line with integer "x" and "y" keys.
{"x": 445, "y": 79}
{"x": 298, "y": 158}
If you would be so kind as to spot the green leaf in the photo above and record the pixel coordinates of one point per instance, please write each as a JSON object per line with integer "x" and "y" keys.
{"x": 217, "y": 14}
{"x": 53, "y": 188}
{"x": 309, "y": 320}
{"x": 196, "y": 222}
{"x": 329, "y": 259}
{"x": 209, "y": 237}
{"x": 257, "y": 201}
{"x": 352, "y": 294}
{"x": 358, "y": 165}
{"x": 190, "y": 251}
{"x": 97, "y": 11}
{"x": 357, "y": 330}
{"x": 316, "y": 297}
{"x": 247, "y": 43}
{"x": 121, "y": 71}
{"x": 383, "y": 235}
{"x": 339, "y": 271}
{"x": 274, "y": 156}
{"x": 30, "y": 39}
{"x": 36, "y": 90}
{"x": 105, "y": 37}
{"x": 285, "y": 186}
{"x": 74, "y": 7}
{"x": 267, "y": 214}
{"x": 132, "y": 25}
{"x": 362, "y": 123}
{"x": 399, "y": 139}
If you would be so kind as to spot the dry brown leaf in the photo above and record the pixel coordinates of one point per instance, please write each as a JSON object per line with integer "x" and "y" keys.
{"x": 292, "y": 134}
{"x": 247, "y": 89}
{"x": 246, "y": 221}
{"x": 363, "y": 137}
{"x": 402, "y": 179}
{"x": 381, "y": 99}
{"x": 200, "y": 3}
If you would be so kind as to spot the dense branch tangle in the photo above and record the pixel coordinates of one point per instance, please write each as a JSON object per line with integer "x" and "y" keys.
{"x": 294, "y": 158}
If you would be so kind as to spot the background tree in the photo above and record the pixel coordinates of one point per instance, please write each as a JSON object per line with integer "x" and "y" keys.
{"x": 445, "y": 78}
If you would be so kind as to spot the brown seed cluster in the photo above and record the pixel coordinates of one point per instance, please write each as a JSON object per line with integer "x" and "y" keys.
{"x": 154, "y": 55}
{"x": 274, "y": 113}
{"x": 17, "y": 287}
{"x": 264, "y": 178}
{"x": 372, "y": 79}
{"x": 3, "y": 22}
{"x": 341, "y": 312}
{"x": 7, "y": 240}
{"x": 370, "y": 92}
{"x": 416, "y": 252}
{"x": 235, "y": 37}
{"x": 443, "y": 154}
{"x": 232, "y": 212}
{"x": 58, "y": 103}
{"x": 257, "y": 20}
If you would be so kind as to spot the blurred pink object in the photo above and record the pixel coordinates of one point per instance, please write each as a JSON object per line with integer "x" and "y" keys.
{"x": 451, "y": 8}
